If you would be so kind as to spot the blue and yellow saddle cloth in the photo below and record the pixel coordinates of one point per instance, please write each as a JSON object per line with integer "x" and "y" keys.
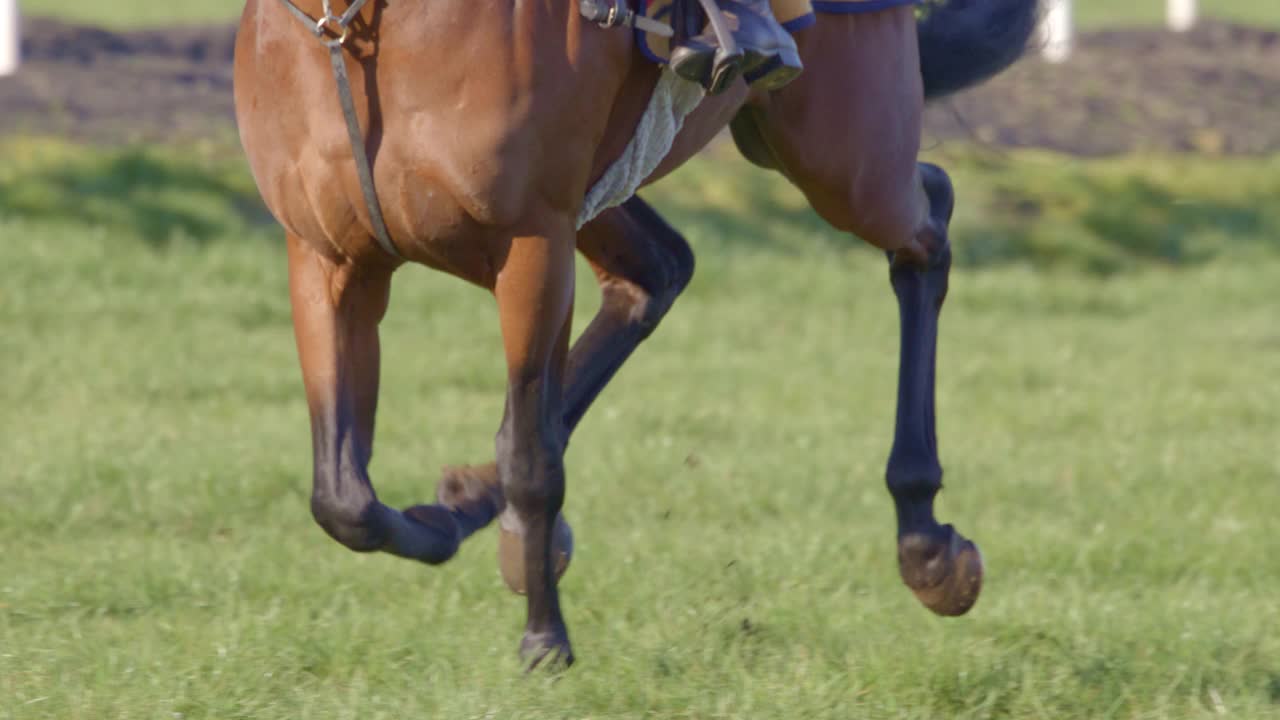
{"x": 793, "y": 14}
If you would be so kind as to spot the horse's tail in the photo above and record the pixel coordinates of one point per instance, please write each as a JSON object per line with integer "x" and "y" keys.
{"x": 964, "y": 42}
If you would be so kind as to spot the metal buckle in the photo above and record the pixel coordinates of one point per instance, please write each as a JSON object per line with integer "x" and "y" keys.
{"x": 333, "y": 24}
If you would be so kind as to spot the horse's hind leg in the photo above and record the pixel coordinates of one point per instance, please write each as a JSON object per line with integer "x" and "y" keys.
{"x": 936, "y": 562}
{"x": 336, "y": 310}
{"x": 847, "y": 132}
{"x": 642, "y": 265}
{"x": 534, "y": 290}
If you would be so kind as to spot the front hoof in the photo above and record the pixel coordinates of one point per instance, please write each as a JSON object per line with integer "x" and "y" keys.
{"x": 428, "y": 533}
{"x": 549, "y": 650}
{"x": 942, "y": 568}
{"x": 511, "y": 550}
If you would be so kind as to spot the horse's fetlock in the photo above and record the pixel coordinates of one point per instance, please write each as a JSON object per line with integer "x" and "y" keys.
{"x": 538, "y": 485}
{"x": 354, "y": 523}
{"x": 907, "y": 478}
{"x": 533, "y": 498}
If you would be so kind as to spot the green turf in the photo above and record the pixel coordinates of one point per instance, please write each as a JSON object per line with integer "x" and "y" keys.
{"x": 1108, "y": 422}
{"x": 1108, "y": 13}
{"x": 1090, "y": 13}
{"x": 132, "y": 13}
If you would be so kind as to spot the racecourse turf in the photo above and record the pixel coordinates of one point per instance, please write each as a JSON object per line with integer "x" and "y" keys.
{"x": 1108, "y": 407}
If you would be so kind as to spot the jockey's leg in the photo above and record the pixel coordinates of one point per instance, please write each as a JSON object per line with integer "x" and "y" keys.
{"x": 847, "y": 132}
{"x": 741, "y": 37}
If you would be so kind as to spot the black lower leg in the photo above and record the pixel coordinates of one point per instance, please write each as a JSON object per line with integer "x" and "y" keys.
{"x": 637, "y": 292}
{"x": 530, "y": 448}
{"x": 914, "y": 473}
{"x": 942, "y": 568}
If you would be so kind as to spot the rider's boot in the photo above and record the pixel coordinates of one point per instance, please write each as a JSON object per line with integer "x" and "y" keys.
{"x": 743, "y": 37}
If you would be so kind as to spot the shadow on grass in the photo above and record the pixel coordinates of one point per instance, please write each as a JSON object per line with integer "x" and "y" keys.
{"x": 762, "y": 213}
{"x": 1102, "y": 217}
{"x": 1109, "y": 227}
{"x": 157, "y": 197}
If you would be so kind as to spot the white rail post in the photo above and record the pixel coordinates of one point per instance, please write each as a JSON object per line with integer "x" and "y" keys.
{"x": 1057, "y": 34}
{"x": 10, "y": 40}
{"x": 1181, "y": 15}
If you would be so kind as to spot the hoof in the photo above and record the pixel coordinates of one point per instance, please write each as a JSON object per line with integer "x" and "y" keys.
{"x": 511, "y": 551}
{"x": 473, "y": 488}
{"x": 942, "y": 568}
{"x": 549, "y": 651}
{"x": 431, "y": 535}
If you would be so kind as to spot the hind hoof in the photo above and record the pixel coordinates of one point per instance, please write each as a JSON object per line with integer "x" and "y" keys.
{"x": 511, "y": 551}
{"x": 473, "y": 490}
{"x": 942, "y": 568}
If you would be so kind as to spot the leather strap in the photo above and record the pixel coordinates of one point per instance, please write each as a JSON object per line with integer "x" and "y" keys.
{"x": 339, "y": 24}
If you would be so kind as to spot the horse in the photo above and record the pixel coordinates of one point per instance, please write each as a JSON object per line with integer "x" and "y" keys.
{"x": 487, "y": 123}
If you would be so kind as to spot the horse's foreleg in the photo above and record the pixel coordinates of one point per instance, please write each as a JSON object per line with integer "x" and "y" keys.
{"x": 642, "y": 265}
{"x": 336, "y": 311}
{"x": 534, "y": 290}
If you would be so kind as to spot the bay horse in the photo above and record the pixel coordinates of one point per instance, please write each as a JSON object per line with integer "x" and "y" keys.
{"x": 487, "y": 121}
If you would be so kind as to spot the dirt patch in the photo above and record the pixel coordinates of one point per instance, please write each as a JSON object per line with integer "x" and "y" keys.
{"x": 84, "y": 82}
{"x": 1215, "y": 89}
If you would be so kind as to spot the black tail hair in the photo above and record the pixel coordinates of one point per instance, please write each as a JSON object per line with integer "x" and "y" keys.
{"x": 964, "y": 42}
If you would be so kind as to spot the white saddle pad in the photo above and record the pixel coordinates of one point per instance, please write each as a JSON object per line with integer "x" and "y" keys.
{"x": 673, "y": 98}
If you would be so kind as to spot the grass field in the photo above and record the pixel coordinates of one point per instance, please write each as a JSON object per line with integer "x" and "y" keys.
{"x": 1108, "y": 408}
{"x": 1090, "y": 13}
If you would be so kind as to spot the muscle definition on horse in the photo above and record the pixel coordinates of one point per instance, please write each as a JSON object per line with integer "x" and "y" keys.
{"x": 467, "y": 135}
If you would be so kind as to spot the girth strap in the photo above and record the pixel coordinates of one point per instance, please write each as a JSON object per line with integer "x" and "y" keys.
{"x": 338, "y": 24}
